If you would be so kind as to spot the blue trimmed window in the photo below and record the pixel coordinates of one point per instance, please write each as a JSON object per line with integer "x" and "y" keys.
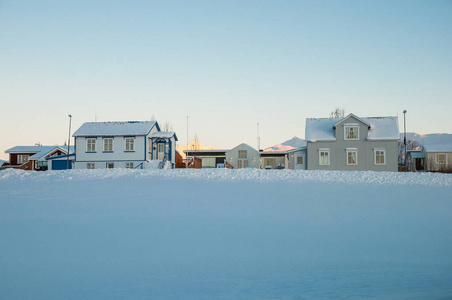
{"x": 108, "y": 145}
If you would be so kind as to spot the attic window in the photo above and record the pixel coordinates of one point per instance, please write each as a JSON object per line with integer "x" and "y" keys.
{"x": 351, "y": 132}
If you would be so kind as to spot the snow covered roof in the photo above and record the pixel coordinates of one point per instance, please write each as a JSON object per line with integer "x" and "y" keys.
{"x": 297, "y": 149}
{"x": 380, "y": 128}
{"x": 164, "y": 134}
{"x": 39, "y": 151}
{"x": 432, "y": 142}
{"x": 320, "y": 129}
{"x": 29, "y": 149}
{"x": 115, "y": 128}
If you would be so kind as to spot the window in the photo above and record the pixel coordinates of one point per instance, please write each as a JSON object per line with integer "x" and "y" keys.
{"x": 242, "y": 153}
{"x": 352, "y": 157}
{"x": 90, "y": 145}
{"x": 324, "y": 157}
{"x": 239, "y": 164}
{"x": 161, "y": 147}
{"x": 299, "y": 160}
{"x": 441, "y": 158}
{"x": 129, "y": 165}
{"x": 110, "y": 165}
{"x": 21, "y": 159}
{"x": 245, "y": 163}
{"x": 90, "y": 165}
{"x": 380, "y": 156}
{"x": 351, "y": 132}
{"x": 108, "y": 145}
{"x": 129, "y": 144}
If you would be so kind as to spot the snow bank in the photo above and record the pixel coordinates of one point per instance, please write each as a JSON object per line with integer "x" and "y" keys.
{"x": 254, "y": 175}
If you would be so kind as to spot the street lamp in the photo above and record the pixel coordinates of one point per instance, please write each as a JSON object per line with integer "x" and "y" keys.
{"x": 68, "y": 141}
{"x": 404, "y": 130}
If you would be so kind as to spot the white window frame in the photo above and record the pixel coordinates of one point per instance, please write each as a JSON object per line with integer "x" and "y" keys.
{"x": 349, "y": 151}
{"x": 245, "y": 163}
{"x": 112, "y": 164}
{"x": 22, "y": 158}
{"x": 436, "y": 158}
{"x": 327, "y": 151}
{"x": 105, "y": 139}
{"x": 349, "y": 126}
{"x": 90, "y": 166}
{"x": 242, "y": 154}
{"x": 129, "y": 141}
{"x": 384, "y": 157}
{"x": 129, "y": 165}
{"x": 88, "y": 140}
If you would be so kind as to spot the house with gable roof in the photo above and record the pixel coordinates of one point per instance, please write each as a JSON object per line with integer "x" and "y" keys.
{"x": 132, "y": 144}
{"x": 241, "y": 157}
{"x": 33, "y": 158}
{"x": 351, "y": 143}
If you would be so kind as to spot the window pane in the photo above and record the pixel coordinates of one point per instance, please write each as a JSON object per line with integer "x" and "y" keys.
{"x": 351, "y": 157}
{"x": 324, "y": 158}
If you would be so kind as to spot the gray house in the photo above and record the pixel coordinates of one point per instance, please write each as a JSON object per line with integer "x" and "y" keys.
{"x": 351, "y": 143}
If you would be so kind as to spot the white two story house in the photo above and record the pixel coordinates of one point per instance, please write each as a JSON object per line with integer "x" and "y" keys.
{"x": 133, "y": 144}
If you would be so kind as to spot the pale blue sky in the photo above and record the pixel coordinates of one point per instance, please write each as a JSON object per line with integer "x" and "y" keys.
{"x": 227, "y": 64}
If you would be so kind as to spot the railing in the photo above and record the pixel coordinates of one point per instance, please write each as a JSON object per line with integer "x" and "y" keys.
{"x": 162, "y": 163}
{"x": 139, "y": 166}
{"x": 228, "y": 165}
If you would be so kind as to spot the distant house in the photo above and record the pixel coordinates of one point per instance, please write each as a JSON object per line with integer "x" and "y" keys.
{"x": 352, "y": 143}
{"x": 33, "y": 157}
{"x": 296, "y": 158}
{"x": 431, "y": 158}
{"x": 101, "y": 145}
{"x": 208, "y": 158}
{"x": 242, "y": 156}
{"x": 273, "y": 159}
{"x": 434, "y": 153}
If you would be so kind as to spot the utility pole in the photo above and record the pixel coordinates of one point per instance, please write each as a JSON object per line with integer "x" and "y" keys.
{"x": 69, "y": 141}
{"x": 258, "y": 139}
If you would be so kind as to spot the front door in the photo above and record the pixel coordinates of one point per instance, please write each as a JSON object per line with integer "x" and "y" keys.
{"x": 242, "y": 163}
{"x": 419, "y": 164}
{"x": 160, "y": 151}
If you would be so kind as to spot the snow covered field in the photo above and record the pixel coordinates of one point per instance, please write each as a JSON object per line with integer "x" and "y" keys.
{"x": 224, "y": 234}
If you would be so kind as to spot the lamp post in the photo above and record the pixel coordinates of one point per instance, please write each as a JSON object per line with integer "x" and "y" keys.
{"x": 186, "y": 153}
{"x": 404, "y": 137}
{"x": 68, "y": 141}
